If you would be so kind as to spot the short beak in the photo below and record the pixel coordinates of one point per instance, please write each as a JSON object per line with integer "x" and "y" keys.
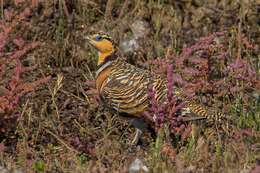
{"x": 90, "y": 41}
{"x": 87, "y": 38}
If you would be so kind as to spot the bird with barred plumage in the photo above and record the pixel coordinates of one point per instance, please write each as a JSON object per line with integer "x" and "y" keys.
{"x": 124, "y": 87}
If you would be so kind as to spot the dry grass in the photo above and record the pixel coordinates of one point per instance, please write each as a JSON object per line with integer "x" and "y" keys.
{"x": 63, "y": 128}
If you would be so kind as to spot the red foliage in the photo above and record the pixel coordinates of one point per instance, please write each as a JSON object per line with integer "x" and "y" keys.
{"x": 212, "y": 67}
{"x": 167, "y": 112}
{"x": 208, "y": 66}
{"x": 12, "y": 49}
{"x": 218, "y": 72}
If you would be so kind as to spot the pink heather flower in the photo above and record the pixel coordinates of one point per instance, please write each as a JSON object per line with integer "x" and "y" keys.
{"x": 19, "y": 42}
{"x": 16, "y": 87}
{"x": 169, "y": 82}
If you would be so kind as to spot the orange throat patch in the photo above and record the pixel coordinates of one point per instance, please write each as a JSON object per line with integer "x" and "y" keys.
{"x": 103, "y": 55}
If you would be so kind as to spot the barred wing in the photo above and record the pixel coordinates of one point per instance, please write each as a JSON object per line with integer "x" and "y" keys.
{"x": 126, "y": 89}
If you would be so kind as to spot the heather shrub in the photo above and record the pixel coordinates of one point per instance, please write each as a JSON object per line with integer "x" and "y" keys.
{"x": 13, "y": 48}
{"x": 167, "y": 113}
{"x": 217, "y": 70}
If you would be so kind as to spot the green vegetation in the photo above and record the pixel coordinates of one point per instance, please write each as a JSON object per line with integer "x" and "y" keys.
{"x": 58, "y": 123}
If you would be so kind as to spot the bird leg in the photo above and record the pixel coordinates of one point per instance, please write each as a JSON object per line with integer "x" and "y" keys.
{"x": 139, "y": 125}
{"x": 137, "y": 136}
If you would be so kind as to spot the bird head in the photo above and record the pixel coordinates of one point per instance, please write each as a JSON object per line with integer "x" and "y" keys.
{"x": 104, "y": 45}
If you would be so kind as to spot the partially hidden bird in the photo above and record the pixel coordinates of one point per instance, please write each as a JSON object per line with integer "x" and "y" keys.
{"x": 124, "y": 87}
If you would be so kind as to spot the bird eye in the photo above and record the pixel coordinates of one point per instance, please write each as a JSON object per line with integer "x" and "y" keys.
{"x": 98, "y": 38}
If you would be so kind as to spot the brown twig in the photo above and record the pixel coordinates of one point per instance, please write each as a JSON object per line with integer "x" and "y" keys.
{"x": 61, "y": 141}
{"x": 122, "y": 11}
{"x": 109, "y": 8}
